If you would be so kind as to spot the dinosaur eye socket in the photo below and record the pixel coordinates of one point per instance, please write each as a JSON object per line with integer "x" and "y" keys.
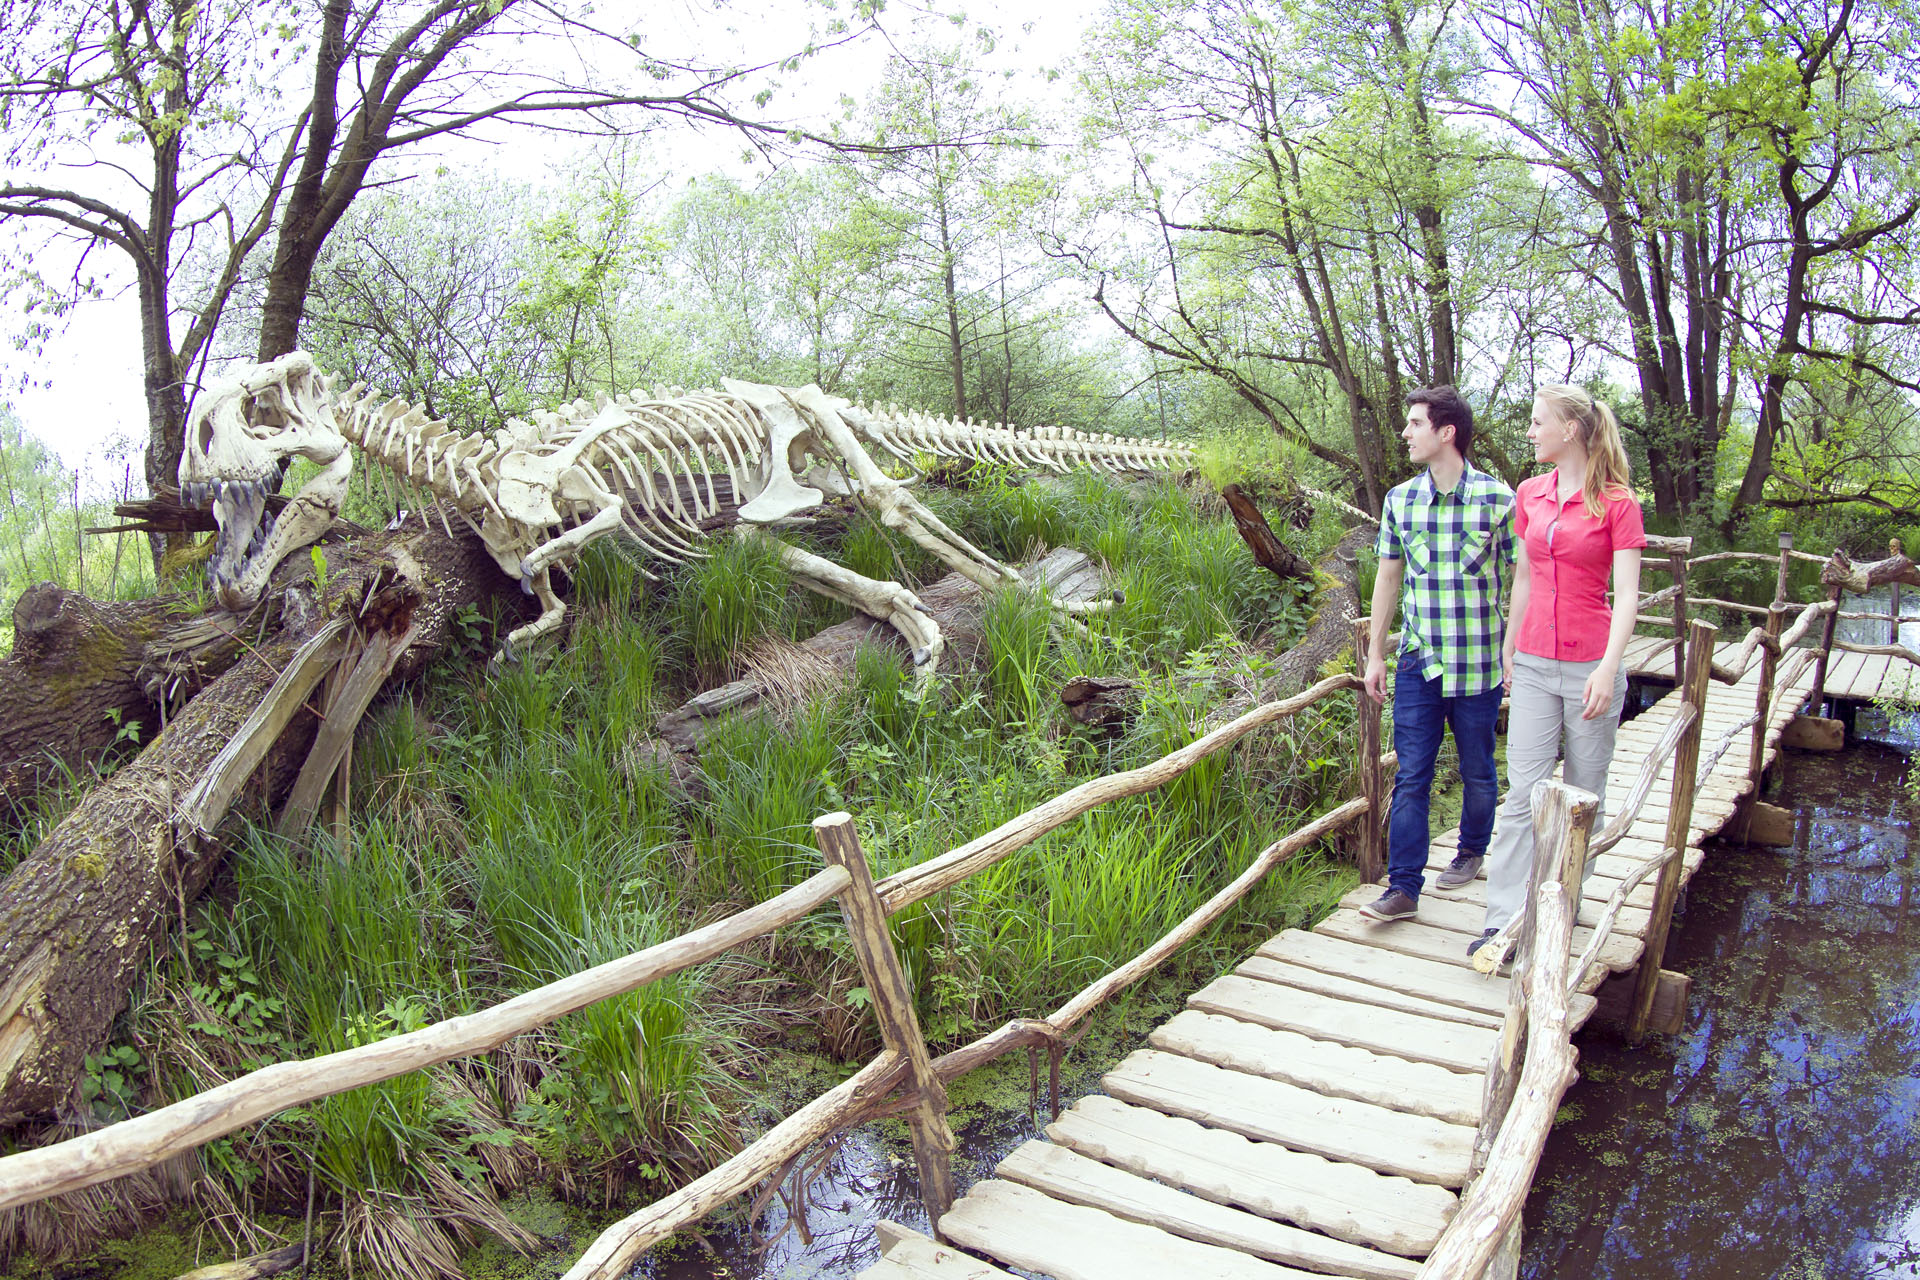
{"x": 205, "y": 439}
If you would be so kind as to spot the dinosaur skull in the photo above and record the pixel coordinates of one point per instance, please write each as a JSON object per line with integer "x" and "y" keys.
{"x": 242, "y": 431}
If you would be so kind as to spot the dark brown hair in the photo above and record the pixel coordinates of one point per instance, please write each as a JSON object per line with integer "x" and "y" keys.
{"x": 1446, "y": 407}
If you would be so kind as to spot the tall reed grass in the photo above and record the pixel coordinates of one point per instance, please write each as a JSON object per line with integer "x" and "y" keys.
{"x": 512, "y": 829}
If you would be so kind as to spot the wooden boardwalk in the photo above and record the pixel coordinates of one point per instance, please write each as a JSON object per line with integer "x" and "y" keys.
{"x": 1851, "y": 677}
{"x": 1313, "y": 1112}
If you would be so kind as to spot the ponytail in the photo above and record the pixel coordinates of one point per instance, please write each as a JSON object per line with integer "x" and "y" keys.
{"x": 1607, "y": 466}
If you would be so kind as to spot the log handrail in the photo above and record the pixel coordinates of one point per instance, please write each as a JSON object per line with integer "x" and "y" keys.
{"x": 146, "y": 1140}
{"x": 1889, "y": 650}
{"x": 916, "y": 883}
{"x": 1650, "y": 771}
{"x": 142, "y": 1141}
{"x": 1490, "y": 1210}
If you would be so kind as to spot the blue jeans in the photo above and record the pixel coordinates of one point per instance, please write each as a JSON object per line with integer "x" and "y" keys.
{"x": 1419, "y": 715}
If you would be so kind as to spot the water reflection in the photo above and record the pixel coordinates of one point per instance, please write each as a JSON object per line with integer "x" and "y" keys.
{"x": 1777, "y": 1136}
{"x": 869, "y": 1176}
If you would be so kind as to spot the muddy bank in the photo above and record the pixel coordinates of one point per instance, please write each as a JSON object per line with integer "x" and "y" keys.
{"x": 1779, "y": 1134}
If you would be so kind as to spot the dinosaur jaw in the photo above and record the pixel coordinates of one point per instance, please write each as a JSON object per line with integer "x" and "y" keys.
{"x": 239, "y": 509}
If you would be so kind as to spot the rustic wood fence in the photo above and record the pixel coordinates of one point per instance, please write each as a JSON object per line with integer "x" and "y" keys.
{"x": 903, "y": 1079}
{"x": 1532, "y": 1069}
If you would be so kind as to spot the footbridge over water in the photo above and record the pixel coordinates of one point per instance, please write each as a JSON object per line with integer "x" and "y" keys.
{"x": 1351, "y": 1100}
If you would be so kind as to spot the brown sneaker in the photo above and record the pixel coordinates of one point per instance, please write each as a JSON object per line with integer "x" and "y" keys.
{"x": 1389, "y": 906}
{"x": 1461, "y": 872}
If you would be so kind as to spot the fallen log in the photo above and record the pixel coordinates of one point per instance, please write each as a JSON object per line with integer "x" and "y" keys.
{"x": 1101, "y": 700}
{"x": 1860, "y": 579}
{"x": 79, "y": 915}
{"x": 1111, "y": 700}
{"x": 776, "y": 674}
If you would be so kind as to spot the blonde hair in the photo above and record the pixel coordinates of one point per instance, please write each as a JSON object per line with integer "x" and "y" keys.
{"x": 1599, "y": 430}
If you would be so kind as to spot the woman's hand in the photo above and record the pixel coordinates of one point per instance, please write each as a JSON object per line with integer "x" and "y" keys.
{"x": 1506, "y": 671}
{"x": 1598, "y": 695}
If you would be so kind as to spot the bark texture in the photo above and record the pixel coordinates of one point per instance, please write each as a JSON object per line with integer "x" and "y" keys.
{"x": 80, "y": 914}
{"x": 1111, "y": 701}
{"x": 777, "y": 673}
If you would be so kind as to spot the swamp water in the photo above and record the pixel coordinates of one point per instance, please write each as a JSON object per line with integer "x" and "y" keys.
{"x": 1779, "y": 1134}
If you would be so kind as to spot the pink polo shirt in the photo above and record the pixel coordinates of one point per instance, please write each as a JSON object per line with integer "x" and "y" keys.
{"x": 1570, "y": 557}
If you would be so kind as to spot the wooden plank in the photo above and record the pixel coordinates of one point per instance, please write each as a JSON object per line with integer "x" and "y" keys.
{"x": 1454, "y": 984}
{"x": 1334, "y": 1070}
{"x": 1428, "y": 942}
{"x": 1902, "y": 682}
{"x": 1875, "y": 673}
{"x": 1360, "y": 993}
{"x": 905, "y": 1254}
{"x": 1598, "y": 887}
{"x": 1841, "y": 673}
{"x": 1066, "y": 1175}
{"x": 1345, "y": 1201}
{"x": 1596, "y": 892}
{"x": 1034, "y": 1232}
{"x": 1417, "y": 1147}
{"x": 1401, "y": 1035}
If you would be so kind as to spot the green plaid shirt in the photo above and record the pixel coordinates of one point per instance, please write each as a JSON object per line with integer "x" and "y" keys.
{"x": 1457, "y": 547}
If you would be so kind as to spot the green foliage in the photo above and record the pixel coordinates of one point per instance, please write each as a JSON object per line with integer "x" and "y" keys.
{"x": 43, "y": 521}
{"x": 109, "y": 1082}
{"x": 724, "y": 602}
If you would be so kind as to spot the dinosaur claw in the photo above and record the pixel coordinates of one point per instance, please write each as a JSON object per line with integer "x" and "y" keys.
{"x": 921, "y": 655}
{"x": 1119, "y": 596}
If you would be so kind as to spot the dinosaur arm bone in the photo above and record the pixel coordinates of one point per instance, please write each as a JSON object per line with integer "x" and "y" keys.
{"x": 887, "y": 600}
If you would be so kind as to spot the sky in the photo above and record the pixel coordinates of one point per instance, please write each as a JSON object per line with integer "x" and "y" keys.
{"x": 84, "y": 397}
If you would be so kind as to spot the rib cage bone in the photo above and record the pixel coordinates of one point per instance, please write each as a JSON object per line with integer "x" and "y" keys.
{"x": 646, "y": 465}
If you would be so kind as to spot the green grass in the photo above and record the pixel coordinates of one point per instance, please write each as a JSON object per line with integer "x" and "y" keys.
{"x": 513, "y": 829}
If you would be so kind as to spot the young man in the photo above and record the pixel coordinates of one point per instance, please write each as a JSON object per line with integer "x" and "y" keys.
{"x": 1446, "y": 546}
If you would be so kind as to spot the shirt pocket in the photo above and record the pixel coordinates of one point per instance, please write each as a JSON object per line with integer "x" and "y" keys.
{"x": 1418, "y": 546}
{"x": 1476, "y": 551}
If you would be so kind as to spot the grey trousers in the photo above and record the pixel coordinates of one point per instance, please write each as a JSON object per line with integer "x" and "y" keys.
{"x": 1545, "y": 713}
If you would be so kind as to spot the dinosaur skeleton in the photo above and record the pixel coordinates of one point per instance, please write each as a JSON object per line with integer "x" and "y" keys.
{"x": 538, "y": 491}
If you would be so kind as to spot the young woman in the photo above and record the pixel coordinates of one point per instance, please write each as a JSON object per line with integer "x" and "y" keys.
{"x": 1580, "y": 531}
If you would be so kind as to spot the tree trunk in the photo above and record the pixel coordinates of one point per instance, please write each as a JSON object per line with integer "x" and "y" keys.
{"x": 71, "y": 688}
{"x": 1328, "y": 635}
{"x": 779, "y": 672}
{"x": 79, "y": 916}
{"x": 86, "y": 675}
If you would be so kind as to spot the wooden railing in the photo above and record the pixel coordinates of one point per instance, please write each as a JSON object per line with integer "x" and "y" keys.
{"x": 1529, "y": 1072}
{"x": 1532, "y": 1066}
{"x": 903, "y": 1079}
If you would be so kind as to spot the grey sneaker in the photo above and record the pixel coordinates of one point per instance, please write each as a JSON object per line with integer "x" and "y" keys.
{"x": 1391, "y": 905}
{"x": 1461, "y": 872}
{"x": 1473, "y": 948}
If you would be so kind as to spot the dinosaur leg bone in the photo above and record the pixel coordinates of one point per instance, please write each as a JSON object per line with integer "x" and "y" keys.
{"x": 552, "y": 611}
{"x": 888, "y": 600}
{"x": 899, "y": 509}
{"x": 567, "y": 545}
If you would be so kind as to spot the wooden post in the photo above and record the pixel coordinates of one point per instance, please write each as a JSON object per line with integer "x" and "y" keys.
{"x": 1769, "y": 668}
{"x": 1819, "y": 694}
{"x": 1562, "y": 826}
{"x": 1678, "y": 560}
{"x": 1893, "y": 628}
{"x": 1686, "y": 759}
{"x": 1562, "y": 823}
{"x": 933, "y": 1141}
{"x": 1372, "y": 853}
